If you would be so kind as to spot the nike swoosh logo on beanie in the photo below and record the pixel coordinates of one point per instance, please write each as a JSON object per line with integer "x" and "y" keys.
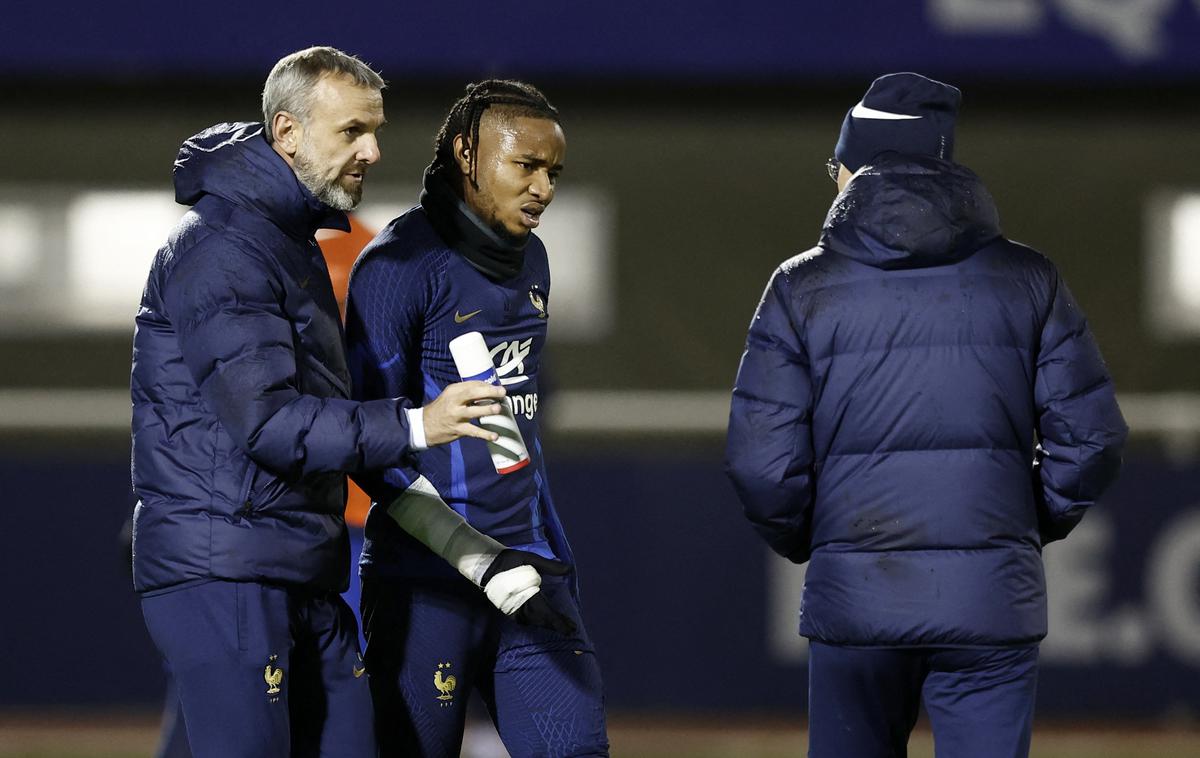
{"x": 862, "y": 111}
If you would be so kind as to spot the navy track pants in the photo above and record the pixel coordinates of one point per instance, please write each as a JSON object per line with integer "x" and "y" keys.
{"x": 264, "y": 671}
{"x": 431, "y": 643}
{"x": 863, "y": 702}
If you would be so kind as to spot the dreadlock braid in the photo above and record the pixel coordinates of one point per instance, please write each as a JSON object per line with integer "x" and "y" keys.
{"x": 464, "y": 117}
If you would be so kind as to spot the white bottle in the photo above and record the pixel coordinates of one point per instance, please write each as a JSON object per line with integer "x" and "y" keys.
{"x": 474, "y": 363}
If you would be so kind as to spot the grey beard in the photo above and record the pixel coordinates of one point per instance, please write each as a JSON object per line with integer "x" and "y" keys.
{"x": 328, "y": 191}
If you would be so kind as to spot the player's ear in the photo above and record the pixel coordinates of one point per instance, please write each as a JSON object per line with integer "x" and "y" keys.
{"x": 286, "y": 131}
{"x": 462, "y": 154}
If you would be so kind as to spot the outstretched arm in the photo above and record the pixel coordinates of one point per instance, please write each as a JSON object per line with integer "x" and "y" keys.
{"x": 225, "y": 305}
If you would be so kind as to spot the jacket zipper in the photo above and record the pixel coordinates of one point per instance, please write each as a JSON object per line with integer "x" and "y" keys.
{"x": 246, "y": 500}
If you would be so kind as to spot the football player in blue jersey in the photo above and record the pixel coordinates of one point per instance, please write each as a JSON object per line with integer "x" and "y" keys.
{"x": 466, "y": 260}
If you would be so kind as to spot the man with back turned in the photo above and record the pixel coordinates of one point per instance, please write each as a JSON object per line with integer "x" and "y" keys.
{"x": 919, "y": 409}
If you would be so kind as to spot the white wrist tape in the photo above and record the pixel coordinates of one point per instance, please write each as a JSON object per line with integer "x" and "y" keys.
{"x": 509, "y": 590}
{"x": 421, "y": 512}
{"x": 416, "y": 428}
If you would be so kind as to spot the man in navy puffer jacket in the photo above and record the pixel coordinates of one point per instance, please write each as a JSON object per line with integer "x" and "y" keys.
{"x": 243, "y": 430}
{"x": 919, "y": 409}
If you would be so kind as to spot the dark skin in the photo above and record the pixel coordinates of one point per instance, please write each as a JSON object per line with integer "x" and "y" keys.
{"x": 517, "y": 167}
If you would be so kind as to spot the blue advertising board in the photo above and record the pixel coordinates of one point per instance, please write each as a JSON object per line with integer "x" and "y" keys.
{"x": 1020, "y": 40}
{"x": 688, "y": 610}
{"x": 691, "y": 611}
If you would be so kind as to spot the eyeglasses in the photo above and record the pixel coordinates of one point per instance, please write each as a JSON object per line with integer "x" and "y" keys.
{"x": 834, "y": 167}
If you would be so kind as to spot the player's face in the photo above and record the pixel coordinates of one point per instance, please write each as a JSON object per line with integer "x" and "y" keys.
{"x": 337, "y": 142}
{"x": 520, "y": 158}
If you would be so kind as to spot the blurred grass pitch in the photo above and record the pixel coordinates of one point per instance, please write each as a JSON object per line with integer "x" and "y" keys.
{"x": 122, "y": 734}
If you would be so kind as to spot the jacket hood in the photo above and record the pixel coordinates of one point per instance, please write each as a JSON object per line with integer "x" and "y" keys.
{"x": 906, "y": 211}
{"x": 234, "y": 162}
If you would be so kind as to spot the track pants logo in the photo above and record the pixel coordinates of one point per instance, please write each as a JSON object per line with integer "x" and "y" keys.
{"x": 509, "y": 360}
{"x": 273, "y": 676}
{"x": 445, "y": 684}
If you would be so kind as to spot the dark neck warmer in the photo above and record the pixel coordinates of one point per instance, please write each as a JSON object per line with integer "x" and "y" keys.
{"x": 493, "y": 256}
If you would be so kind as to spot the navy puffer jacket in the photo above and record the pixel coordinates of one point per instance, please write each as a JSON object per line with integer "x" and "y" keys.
{"x": 883, "y": 426}
{"x": 243, "y": 429}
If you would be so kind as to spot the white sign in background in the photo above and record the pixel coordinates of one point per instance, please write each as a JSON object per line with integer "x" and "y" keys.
{"x": 73, "y": 260}
{"x": 1133, "y": 28}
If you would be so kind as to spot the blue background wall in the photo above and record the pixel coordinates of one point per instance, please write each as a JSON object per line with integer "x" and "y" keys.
{"x": 708, "y": 125}
{"x": 753, "y": 39}
{"x": 676, "y": 590}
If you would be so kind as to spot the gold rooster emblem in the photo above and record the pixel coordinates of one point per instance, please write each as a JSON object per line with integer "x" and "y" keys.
{"x": 445, "y": 685}
{"x": 273, "y": 676}
{"x": 538, "y": 301}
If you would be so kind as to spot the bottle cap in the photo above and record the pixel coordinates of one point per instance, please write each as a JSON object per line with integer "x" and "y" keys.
{"x": 471, "y": 357}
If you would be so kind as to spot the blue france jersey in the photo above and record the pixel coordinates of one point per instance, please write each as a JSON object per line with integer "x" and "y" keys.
{"x": 410, "y": 295}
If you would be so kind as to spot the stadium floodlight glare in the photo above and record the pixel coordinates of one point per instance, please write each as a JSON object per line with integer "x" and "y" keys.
{"x": 580, "y": 230}
{"x": 73, "y": 259}
{"x": 1173, "y": 265}
{"x": 112, "y": 237}
{"x": 19, "y": 240}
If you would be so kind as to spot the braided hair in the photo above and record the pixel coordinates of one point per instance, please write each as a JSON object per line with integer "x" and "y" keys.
{"x": 519, "y": 98}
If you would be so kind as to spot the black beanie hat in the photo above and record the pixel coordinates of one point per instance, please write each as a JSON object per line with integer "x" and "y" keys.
{"x": 907, "y": 113}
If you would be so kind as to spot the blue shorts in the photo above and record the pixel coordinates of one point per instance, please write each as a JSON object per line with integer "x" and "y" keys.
{"x": 264, "y": 671}
{"x": 431, "y": 643}
{"x": 864, "y": 702}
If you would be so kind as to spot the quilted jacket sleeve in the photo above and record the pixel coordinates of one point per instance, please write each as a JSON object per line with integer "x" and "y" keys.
{"x": 769, "y": 451}
{"x": 237, "y": 343}
{"x": 1080, "y": 428}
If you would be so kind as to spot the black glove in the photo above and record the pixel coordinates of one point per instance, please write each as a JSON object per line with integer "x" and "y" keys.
{"x": 536, "y": 611}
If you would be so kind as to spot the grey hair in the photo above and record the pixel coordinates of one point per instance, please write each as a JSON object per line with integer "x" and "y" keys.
{"x": 289, "y": 85}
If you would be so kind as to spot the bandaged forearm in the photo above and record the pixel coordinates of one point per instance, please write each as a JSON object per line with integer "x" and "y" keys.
{"x": 421, "y": 512}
